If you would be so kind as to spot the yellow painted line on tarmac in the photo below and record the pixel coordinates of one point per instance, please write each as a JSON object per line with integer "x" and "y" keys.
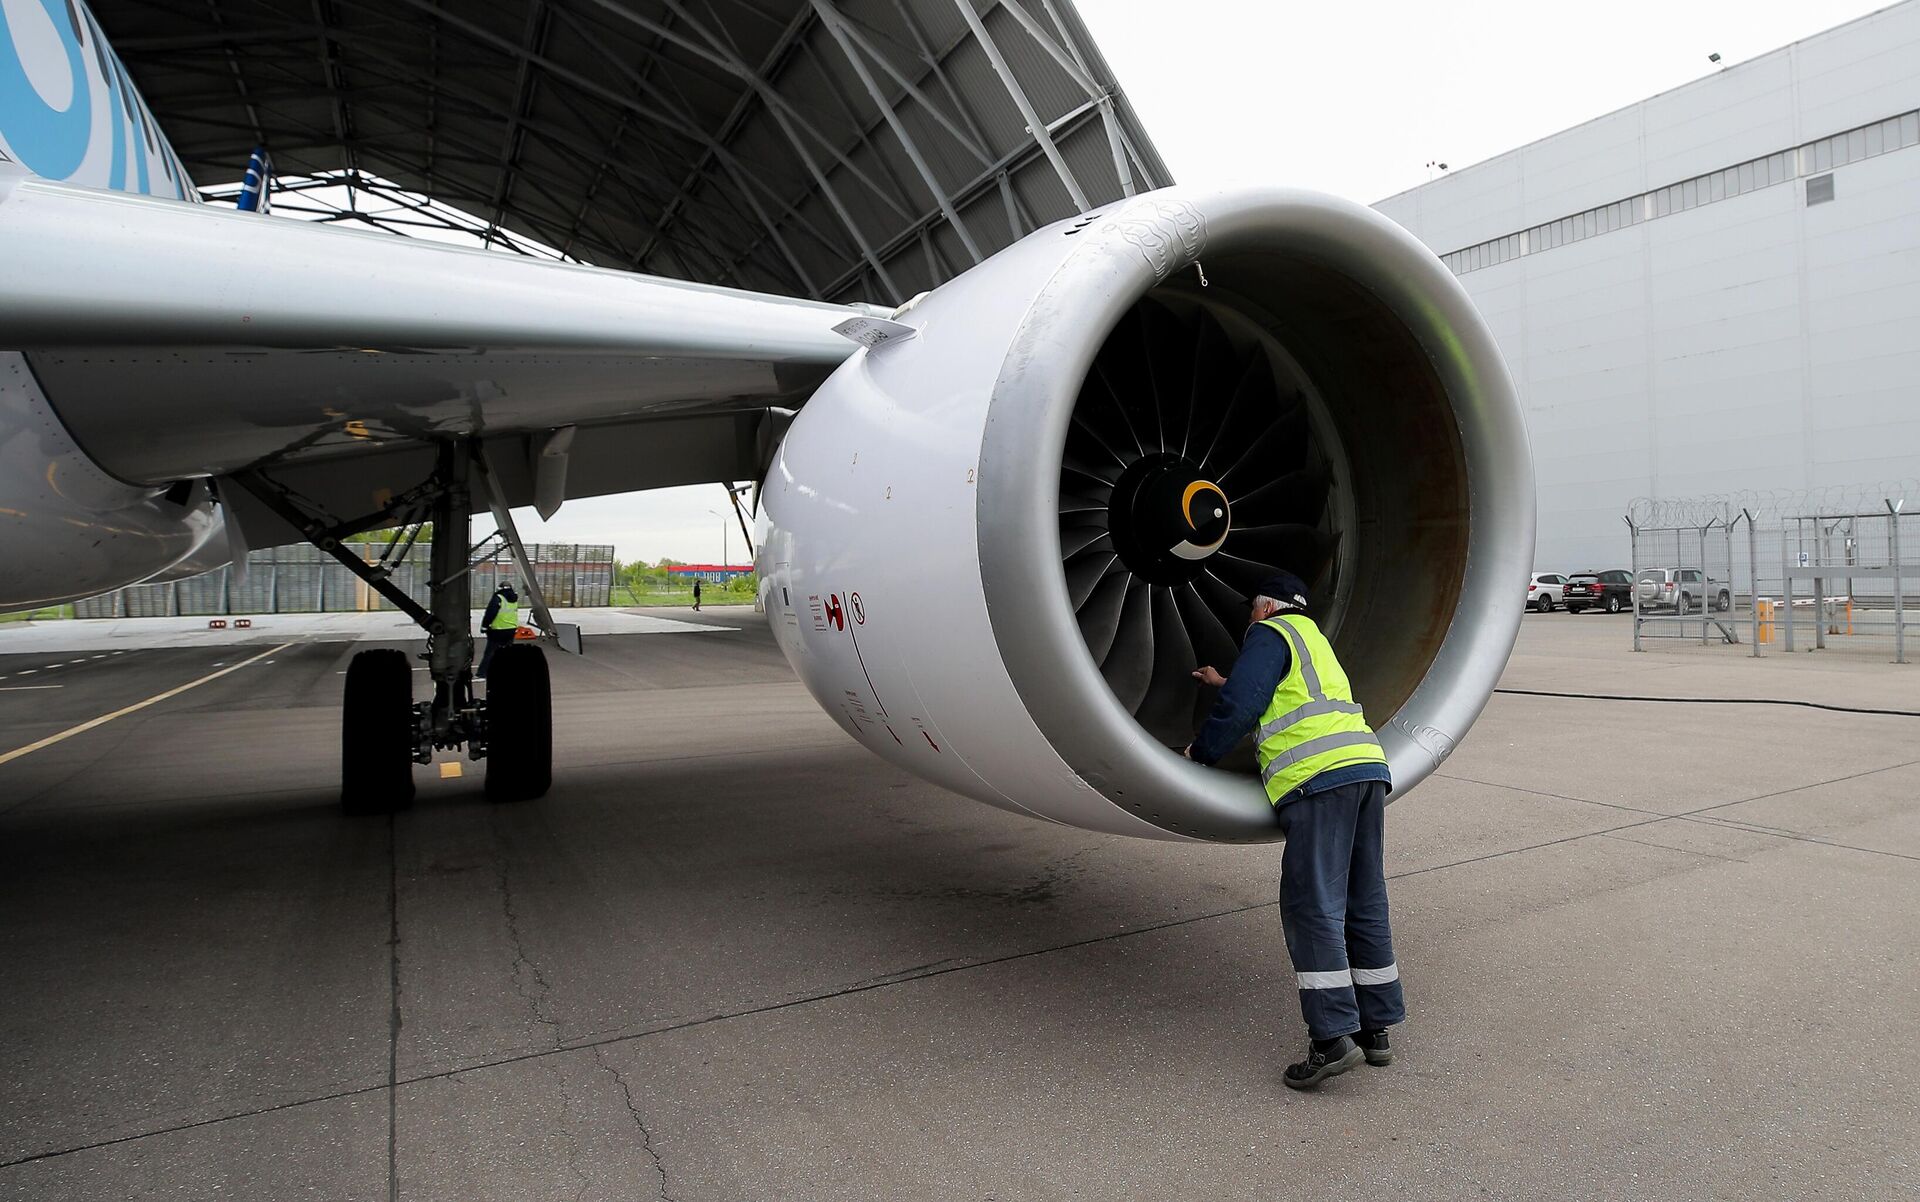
{"x": 156, "y": 699}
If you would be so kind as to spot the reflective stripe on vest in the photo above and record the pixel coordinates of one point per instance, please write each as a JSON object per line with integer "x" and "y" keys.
{"x": 1312, "y": 724}
{"x": 508, "y": 618}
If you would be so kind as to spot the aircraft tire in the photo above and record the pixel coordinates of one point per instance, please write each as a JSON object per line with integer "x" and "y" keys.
{"x": 519, "y": 725}
{"x": 376, "y": 733}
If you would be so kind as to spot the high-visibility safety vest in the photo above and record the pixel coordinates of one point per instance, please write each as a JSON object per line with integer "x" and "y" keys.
{"x": 1312, "y": 725}
{"x": 508, "y": 618}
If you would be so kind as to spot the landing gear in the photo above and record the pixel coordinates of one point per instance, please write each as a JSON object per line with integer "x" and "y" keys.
{"x": 519, "y": 725}
{"x": 383, "y": 730}
{"x": 376, "y": 734}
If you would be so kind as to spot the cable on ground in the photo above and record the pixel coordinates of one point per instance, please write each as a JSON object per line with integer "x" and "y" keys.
{"x": 1814, "y": 705}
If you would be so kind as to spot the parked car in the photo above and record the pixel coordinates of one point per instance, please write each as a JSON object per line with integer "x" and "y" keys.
{"x": 1683, "y": 590}
{"x": 1545, "y": 590}
{"x": 1611, "y": 590}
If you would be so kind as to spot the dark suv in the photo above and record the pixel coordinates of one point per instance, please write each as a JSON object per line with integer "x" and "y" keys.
{"x": 1611, "y": 591}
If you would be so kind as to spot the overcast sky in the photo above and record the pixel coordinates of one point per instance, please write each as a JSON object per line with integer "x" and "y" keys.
{"x": 1352, "y": 98}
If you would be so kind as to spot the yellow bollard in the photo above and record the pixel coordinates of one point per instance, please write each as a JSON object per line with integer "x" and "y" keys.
{"x": 1763, "y": 611}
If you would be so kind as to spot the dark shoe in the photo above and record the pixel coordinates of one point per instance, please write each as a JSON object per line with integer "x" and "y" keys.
{"x": 1324, "y": 1059}
{"x": 1374, "y": 1045}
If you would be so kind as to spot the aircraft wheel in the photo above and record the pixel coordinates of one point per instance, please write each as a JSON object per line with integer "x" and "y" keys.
{"x": 376, "y": 733}
{"x": 519, "y": 725}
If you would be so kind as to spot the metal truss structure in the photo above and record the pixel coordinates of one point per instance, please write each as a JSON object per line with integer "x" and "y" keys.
{"x": 837, "y": 149}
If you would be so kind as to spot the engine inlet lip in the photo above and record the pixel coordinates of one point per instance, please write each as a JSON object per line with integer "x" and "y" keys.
{"x": 1115, "y": 263}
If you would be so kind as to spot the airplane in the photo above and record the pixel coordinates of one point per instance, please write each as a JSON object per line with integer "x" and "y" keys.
{"x": 1006, "y": 516}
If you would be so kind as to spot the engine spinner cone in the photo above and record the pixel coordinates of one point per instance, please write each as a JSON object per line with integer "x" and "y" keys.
{"x": 1167, "y": 519}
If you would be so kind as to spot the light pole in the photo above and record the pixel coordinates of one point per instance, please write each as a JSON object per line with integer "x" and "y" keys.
{"x": 723, "y": 536}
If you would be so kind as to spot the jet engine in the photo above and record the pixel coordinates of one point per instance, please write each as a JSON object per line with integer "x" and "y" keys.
{"x": 1004, "y": 533}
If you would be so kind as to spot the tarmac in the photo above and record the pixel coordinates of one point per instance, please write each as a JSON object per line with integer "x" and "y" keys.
{"x": 1652, "y": 950}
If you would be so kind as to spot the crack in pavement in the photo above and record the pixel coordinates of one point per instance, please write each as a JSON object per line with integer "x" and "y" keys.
{"x": 646, "y": 1136}
{"x": 530, "y": 984}
{"x": 1011, "y": 957}
{"x": 523, "y": 965}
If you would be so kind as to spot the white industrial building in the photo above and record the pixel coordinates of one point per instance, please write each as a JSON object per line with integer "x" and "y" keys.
{"x": 1714, "y": 290}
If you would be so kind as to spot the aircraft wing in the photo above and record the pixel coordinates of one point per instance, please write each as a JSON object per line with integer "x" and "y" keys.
{"x": 178, "y": 341}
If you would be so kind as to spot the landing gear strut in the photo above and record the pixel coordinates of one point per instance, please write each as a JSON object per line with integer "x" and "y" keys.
{"x": 384, "y": 731}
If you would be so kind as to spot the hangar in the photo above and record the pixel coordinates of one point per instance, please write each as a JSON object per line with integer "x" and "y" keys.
{"x": 833, "y": 149}
{"x": 1711, "y": 291}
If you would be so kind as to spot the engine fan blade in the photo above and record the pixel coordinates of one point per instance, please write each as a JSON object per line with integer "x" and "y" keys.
{"x": 1167, "y": 709}
{"x": 1128, "y": 666}
{"x": 1071, "y": 503}
{"x": 1241, "y": 577}
{"x": 1299, "y": 549}
{"x": 1084, "y": 437}
{"x": 1086, "y": 572}
{"x": 1280, "y": 449}
{"x": 1078, "y": 539}
{"x": 1213, "y": 646}
{"x": 1169, "y": 344}
{"x": 1107, "y": 407}
{"x": 1227, "y": 604}
{"x": 1123, "y": 366}
{"x": 1215, "y": 375}
{"x": 1087, "y": 478}
{"x": 1100, "y": 618}
{"x": 1213, "y": 641}
{"x": 1255, "y": 402}
{"x": 1295, "y": 497}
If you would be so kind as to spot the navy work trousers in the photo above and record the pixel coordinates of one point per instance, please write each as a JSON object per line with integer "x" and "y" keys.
{"x": 496, "y": 639}
{"x": 1333, "y": 907}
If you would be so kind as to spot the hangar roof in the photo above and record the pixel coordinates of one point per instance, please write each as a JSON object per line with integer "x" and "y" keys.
{"x": 840, "y": 149}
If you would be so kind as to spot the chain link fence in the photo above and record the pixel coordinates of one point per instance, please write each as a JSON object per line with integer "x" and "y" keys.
{"x": 304, "y": 579}
{"x": 1826, "y": 569}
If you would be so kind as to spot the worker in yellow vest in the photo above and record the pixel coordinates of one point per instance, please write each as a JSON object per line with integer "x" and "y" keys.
{"x": 1327, "y": 778}
{"x": 501, "y": 621}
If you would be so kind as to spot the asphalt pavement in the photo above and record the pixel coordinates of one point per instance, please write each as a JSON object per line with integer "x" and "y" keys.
{"x": 1651, "y": 951}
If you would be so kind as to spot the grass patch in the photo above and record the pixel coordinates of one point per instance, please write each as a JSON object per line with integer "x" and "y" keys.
{"x": 651, "y": 599}
{"x": 47, "y": 613}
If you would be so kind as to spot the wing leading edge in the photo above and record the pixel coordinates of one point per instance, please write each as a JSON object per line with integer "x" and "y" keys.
{"x": 178, "y": 341}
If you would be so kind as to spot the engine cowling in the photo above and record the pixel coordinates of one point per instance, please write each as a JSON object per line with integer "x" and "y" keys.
{"x": 69, "y": 529}
{"x": 999, "y": 546}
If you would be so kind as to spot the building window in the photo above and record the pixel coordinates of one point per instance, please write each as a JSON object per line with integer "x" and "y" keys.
{"x": 1820, "y": 189}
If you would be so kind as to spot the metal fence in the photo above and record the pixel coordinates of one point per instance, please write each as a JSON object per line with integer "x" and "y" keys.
{"x": 1831, "y": 570}
{"x": 303, "y": 579}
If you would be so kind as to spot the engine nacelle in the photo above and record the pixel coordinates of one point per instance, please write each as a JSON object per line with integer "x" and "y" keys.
{"x": 998, "y": 547}
{"x": 68, "y": 529}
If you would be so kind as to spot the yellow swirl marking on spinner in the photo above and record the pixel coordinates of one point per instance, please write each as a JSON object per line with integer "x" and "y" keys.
{"x": 1193, "y": 490}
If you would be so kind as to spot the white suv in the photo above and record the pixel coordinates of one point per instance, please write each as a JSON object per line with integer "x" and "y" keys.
{"x": 1546, "y": 590}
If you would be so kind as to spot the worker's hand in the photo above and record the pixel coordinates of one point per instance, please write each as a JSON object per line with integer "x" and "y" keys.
{"x": 1187, "y": 751}
{"x": 1207, "y": 676}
